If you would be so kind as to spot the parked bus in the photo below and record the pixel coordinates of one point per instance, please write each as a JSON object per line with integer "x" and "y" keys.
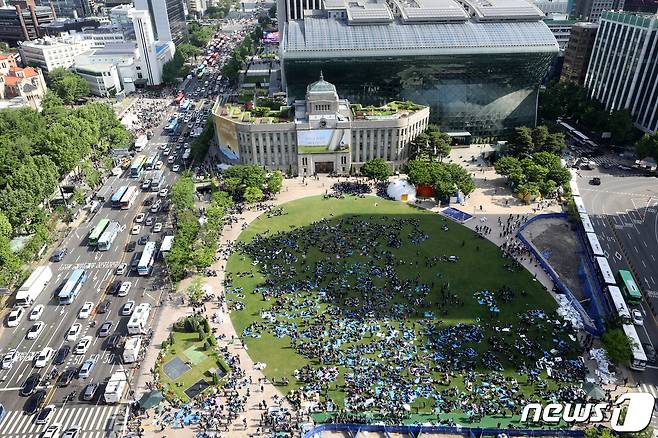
{"x": 108, "y": 236}
{"x": 128, "y": 198}
{"x": 621, "y": 309}
{"x": 137, "y": 166}
{"x": 594, "y": 244}
{"x": 629, "y": 287}
{"x": 116, "y": 197}
{"x": 157, "y": 180}
{"x": 138, "y": 323}
{"x": 639, "y": 361}
{"x": 98, "y": 231}
{"x": 605, "y": 270}
{"x": 146, "y": 262}
{"x": 72, "y": 286}
{"x": 33, "y": 286}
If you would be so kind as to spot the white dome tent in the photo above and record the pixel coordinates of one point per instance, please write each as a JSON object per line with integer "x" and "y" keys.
{"x": 401, "y": 190}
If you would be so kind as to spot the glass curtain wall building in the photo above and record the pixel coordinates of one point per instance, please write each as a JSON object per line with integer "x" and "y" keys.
{"x": 476, "y": 64}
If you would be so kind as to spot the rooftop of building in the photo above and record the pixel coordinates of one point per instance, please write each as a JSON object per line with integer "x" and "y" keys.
{"x": 392, "y": 109}
{"x": 48, "y": 41}
{"x": 321, "y": 86}
{"x": 127, "y": 48}
{"x": 327, "y": 37}
{"x": 257, "y": 115}
{"x": 93, "y": 68}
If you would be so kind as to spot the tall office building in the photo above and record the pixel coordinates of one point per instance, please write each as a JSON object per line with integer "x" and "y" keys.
{"x": 477, "y": 64}
{"x": 590, "y": 10}
{"x": 294, "y": 9}
{"x": 623, "y": 69}
{"x": 578, "y": 53}
{"x": 167, "y": 19}
{"x": 21, "y": 20}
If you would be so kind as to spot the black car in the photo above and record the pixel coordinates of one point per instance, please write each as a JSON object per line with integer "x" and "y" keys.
{"x": 61, "y": 355}
{"x": 90, "y": 392}
{"x": 114, "y": 288}
{"x": 135, "y": 260}
{"x": 143, "y": 240}
{"x": 596, "y": 181}
{"x": 30, "y": 383}
{"x": 112, "y": 342}
{"x": 104, "y": 306}
{"x": 59, "y": 255}
{"x": 166, "y": 206}
{"x": 33, "y": 403}
{"x": 131, "y": 246}
{"x": 66, "y": 377}
{"x": 148, "y": 201}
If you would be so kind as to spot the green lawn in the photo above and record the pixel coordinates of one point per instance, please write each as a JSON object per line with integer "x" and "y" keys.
{"x": 480, "y": 267}
{"x": 189, "y": 349}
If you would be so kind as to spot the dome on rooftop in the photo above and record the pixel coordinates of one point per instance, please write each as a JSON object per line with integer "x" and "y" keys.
{"x": 321, "y": 86}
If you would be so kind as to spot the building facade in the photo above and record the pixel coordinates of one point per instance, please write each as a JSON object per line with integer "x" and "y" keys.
{"x": 623, "y": 69}
{"x": 578, "y": 53}
{"x": 591, "y": 10}
{"x": 167, "y": 19}
{"x": 196, "y": 8}
{"x": 49, "y": 53}
{"x": 103, "y": 79}
{"x": 25, "y": 84}
{"x": 21, "y": 20}
{"x": 320, "y": 133}
{"x": 477, "y": 66}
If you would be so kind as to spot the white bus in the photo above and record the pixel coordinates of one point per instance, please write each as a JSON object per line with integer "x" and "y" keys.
{"x": 639, "y": 361}
{"x": 138, "y": 323}
{"x": 33, "y": 286}
{"x": 587, "y": 223}
{"x": 145, "y": 264}
{"x": 150, "y": 162}
{"x": 107, "y": 238}
{"x": 594, "y": 244}
{"x": 128, "y": 198}
{"x": 618, "y": 302}
{"x": 606, "y": 272}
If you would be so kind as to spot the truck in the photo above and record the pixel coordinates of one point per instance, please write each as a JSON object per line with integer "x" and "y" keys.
{"x": 116, "y": 387}
{"x": 131, "y": 349}
{"x": 33, "y": 286}
{"x": 138, "y": 323}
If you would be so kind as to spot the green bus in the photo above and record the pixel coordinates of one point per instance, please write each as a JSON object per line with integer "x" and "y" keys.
{"x": 629, "y": 287}
{"x": 98, "y": 231}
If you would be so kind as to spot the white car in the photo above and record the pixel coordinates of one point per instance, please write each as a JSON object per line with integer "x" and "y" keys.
{"x": 82, "y": 346}
{"x": 163, "y": 193}
{"x": 36, "y": 312}
{"x": 159, "y": 165}
{"x": 121, "y": 269}
{"x": 171, "y": 159}
{"x": 638, "y": 319}
{"x": 44, "y": 357}
{"x": 15, "y": 317}
{"x": 125, "y": 287}
{"x": 85, "y": 310}
{"x": 166, "y": 152}
{"x": 127, "y": 309}
{"x": 8, "y": 359}
{"x": 73, "y": 332}
{"x": 157, "y": 227}
{"x": 176, "y": 168}
{"x": 140, "y": 218}
{"x": 51, "y": 431}
{"x": 35, "y": 330}
{"x": 136, "y": 229}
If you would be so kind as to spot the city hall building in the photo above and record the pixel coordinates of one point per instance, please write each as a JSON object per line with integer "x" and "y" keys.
{"x": 319, "y": 134}
{"x": 477, "y": 64}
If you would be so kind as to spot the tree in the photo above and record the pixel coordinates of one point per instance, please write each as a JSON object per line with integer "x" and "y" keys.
{"x": 620, "y": 124}
{"x": 5, "y": 227}
{"x": 539, "y": 137}
{"x": 507, "y": 165}
{"x": 274, "y": 182}
{"x": 522, "y": 142}
{"x": 617, "y": 346}
{"x": 376, "y": 169}
{"x": 253, "y": 195}
{"x": 182, "y": 193}
{"x": 418, "y": 172}
{"x": 647, "y": 146}
{"x": 67, "y": 85}
{"x": 438, "y": 143}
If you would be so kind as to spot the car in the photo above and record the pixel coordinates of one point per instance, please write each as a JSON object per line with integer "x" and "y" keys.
{"x": 105, "y": 329}
{"x": 134, "y": 262}
{"x": 143, "y": 240}
{"x": 146, "y": 184}
{"x": 66, "y": 377}
{"x": 163, "y": 193}
{"x": 596, "y": 181}
{"x": 166, "y": 206}
{"x": 36, "y": 312}
{"x": 9, "y": 358}
{"x": 175, "y": 168}
{"x": 650, "y": 353}
{"x": 157, "y": 227}
{"x": 44, "y": 357}
{"x": 159, "y": 165}
{"x": 33, "y": 403}
{"x": 15, "y": 317}
{"x": 127, "y": 308}
{"x": 148, "y": 201}
{"x": 86, "y": 368}
{"x": 149, "y": 221}
{"x": 124, "y": 289}
{"x": 73, "y": 332}
{"x": 104, "y": 306}
{"x": 112, "y": 342}
{"x": 114, "y": 288}
{"x": 171, "y": 159}
{"x": 121, "y": 269}
{"x": 623, "y": 167}
{"x": 135, "y": 229}
{"x": 166, "y": 152}
{"x": 62, "y": 354}
{"x": 30, "y": 384}
{"x": 51, "y": 431}
{"x": 155, "y": 207}
{"x": 140, "y": 218}
{"x": 90, "y": 391}
{"x": 45, "y": 414}
{"x": 58, "y": 255}
{"x": 638, "y": 319}
{"x": 85, "y": 310}
{"x": 131, "y": 246}
{"x": 83, "y": 345}
{"x": 35, "y": 330}
{"x": 71, "y": 432}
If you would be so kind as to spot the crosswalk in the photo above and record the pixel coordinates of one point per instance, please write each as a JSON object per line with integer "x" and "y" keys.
{"x": 94, "y": 421}
{"x": 651, "y": 389}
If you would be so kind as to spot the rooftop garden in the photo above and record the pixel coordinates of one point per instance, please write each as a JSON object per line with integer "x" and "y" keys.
{"x": 259, "y": 114}
{"x": 388, "y": 109}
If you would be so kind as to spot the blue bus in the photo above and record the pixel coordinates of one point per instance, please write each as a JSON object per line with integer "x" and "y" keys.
{"x": 185, "y": 104}
{"x": 72, "y": 286}
{"x": 116, "y": 198}
{"x": 137, "y": 166}
{"x": 172, "y": 126}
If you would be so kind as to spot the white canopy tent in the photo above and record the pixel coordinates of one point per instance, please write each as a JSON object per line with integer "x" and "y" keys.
{"x": 401, "y": 190}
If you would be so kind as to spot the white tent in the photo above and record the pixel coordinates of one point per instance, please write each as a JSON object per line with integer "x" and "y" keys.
{"x": 401, "y": 190}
